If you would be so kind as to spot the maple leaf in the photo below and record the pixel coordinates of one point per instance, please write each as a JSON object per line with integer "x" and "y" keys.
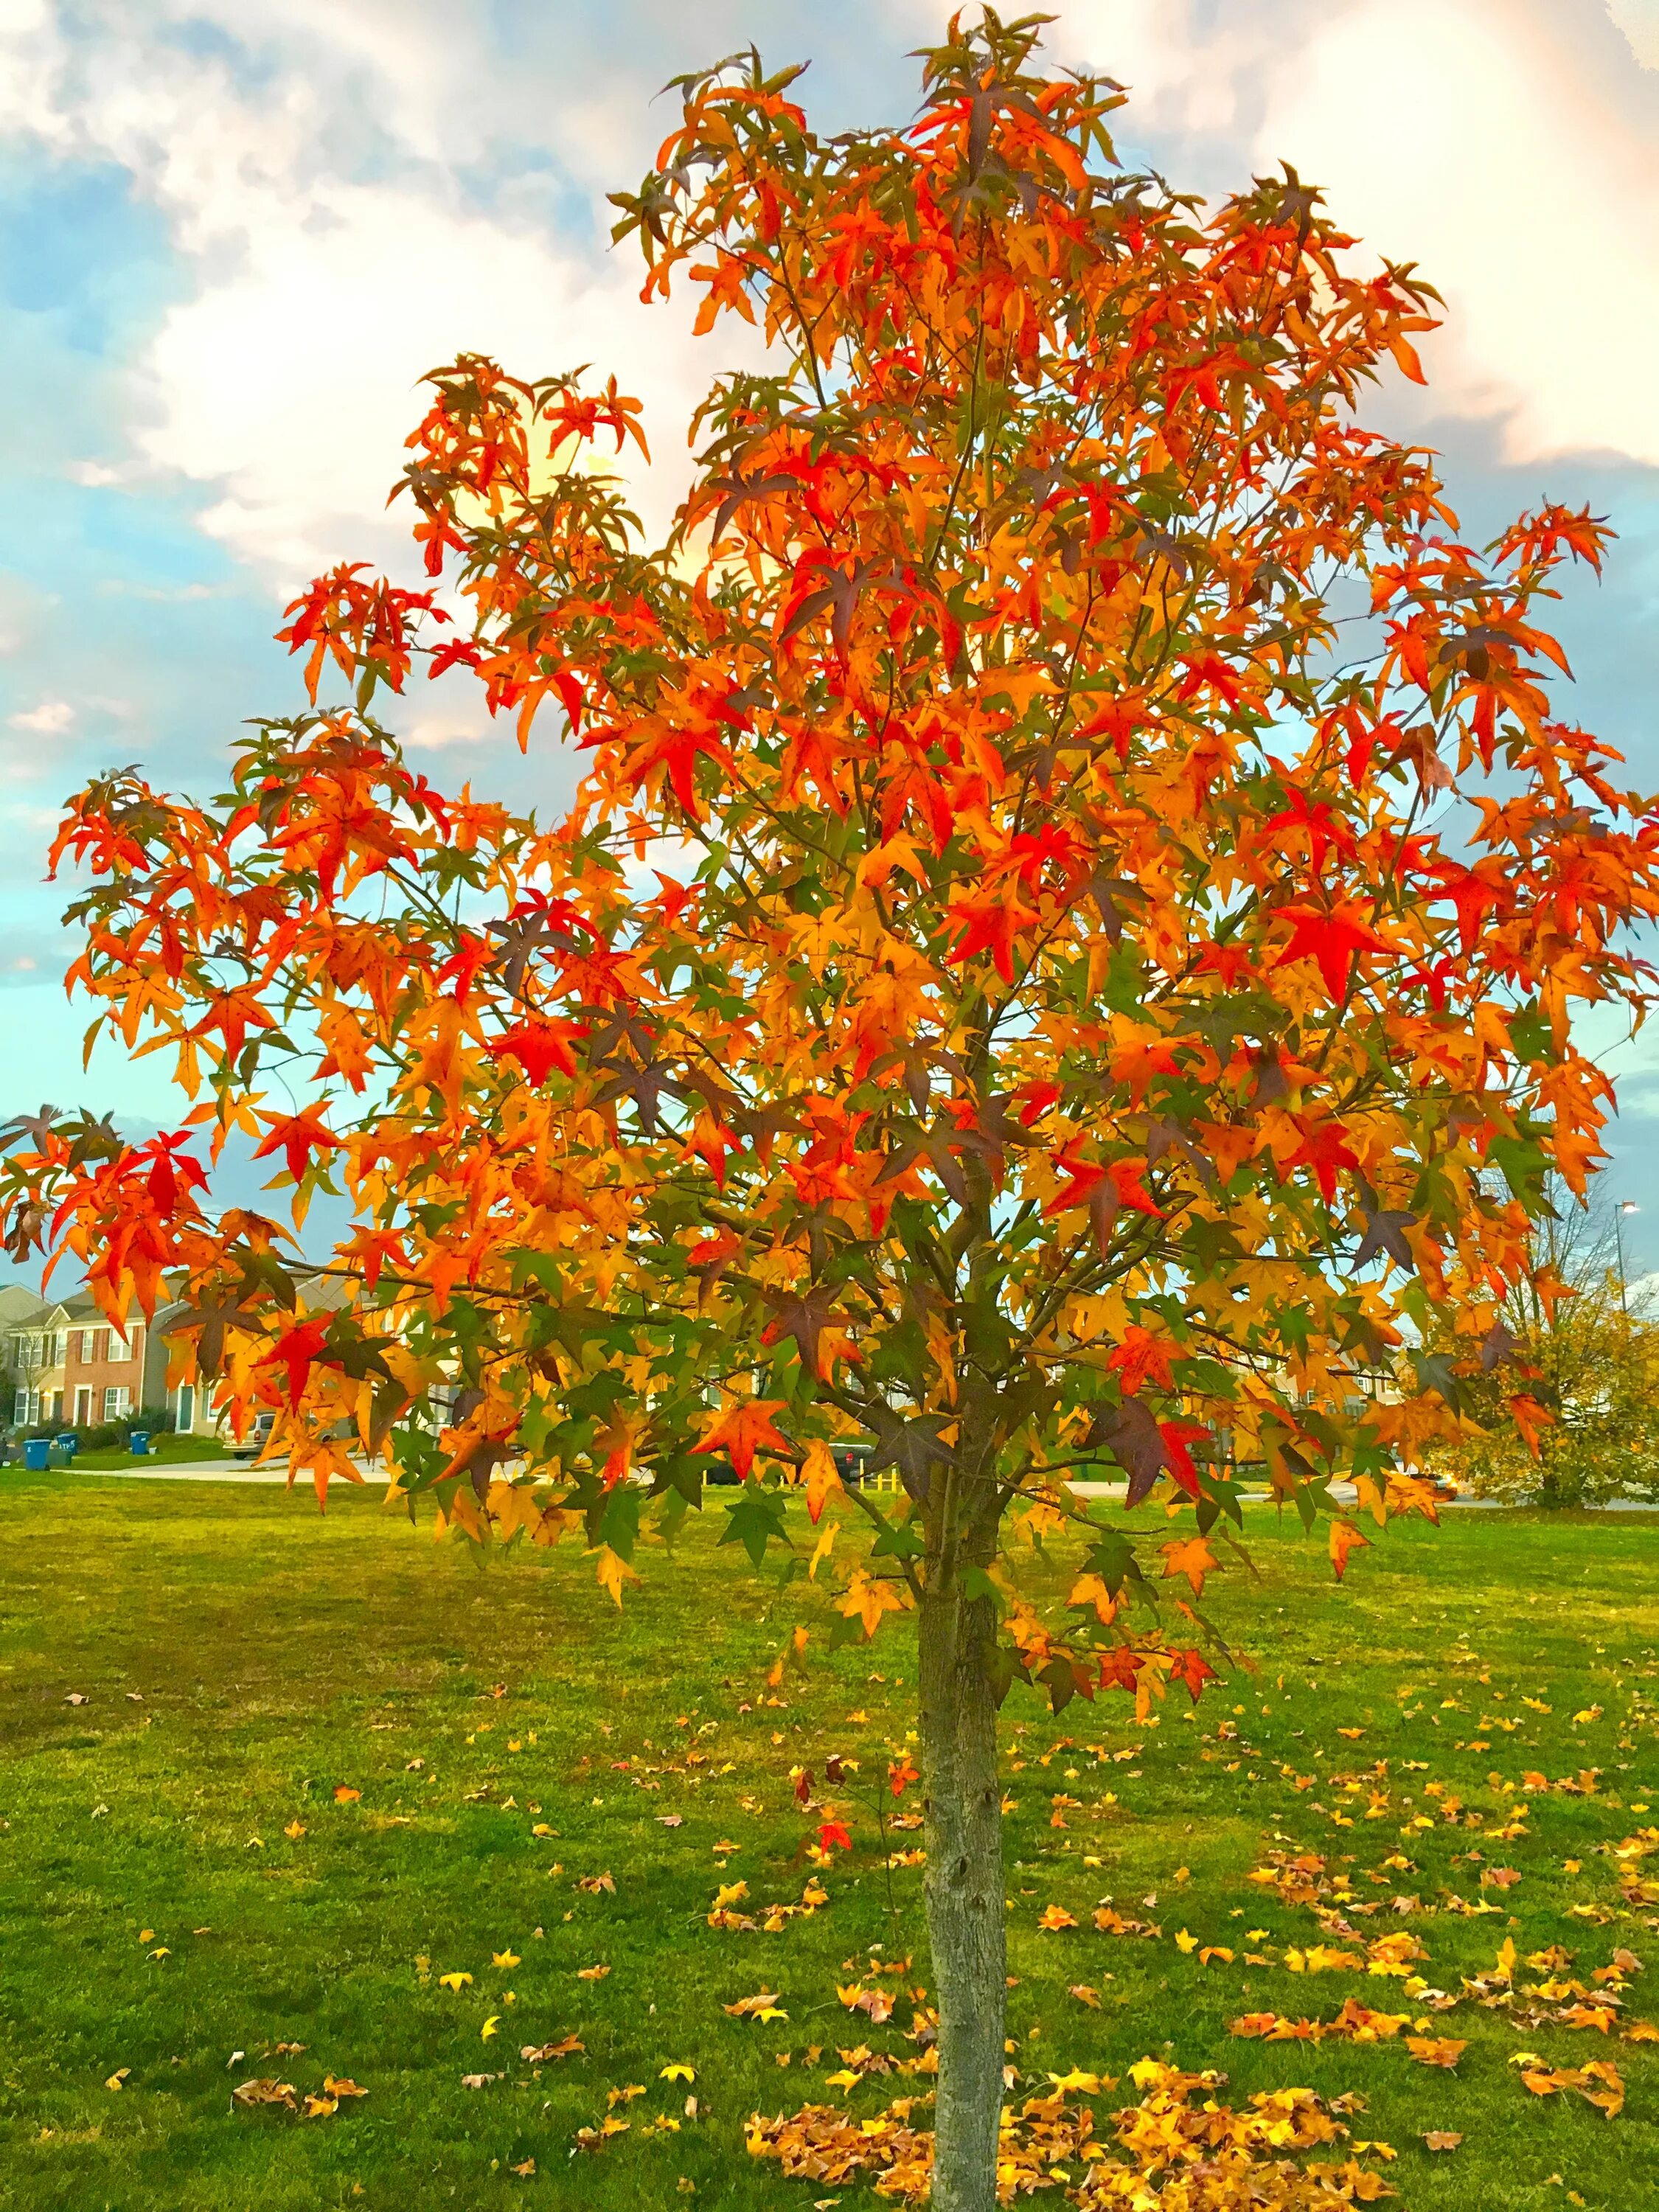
{"x": 913, "y": 1446}
{"x": 1344, "y": 1538}
{"x": 296, "y": 1136}
{"x": 1191, "y": 1557}
{"x": 297, "y": 1349}
{"x": 991, "y": 922}
{"x": 744, "y": 1429}
{"x": 1142, "y": 1353}
{"x": 1330, "y": 937}
{"x": 539, "y": 1047}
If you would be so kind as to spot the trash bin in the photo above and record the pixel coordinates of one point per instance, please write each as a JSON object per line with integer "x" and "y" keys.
{"x": 37, "y": 1454}
{"x": 69, "y": 1443}
{"x": 138, "y": 1442}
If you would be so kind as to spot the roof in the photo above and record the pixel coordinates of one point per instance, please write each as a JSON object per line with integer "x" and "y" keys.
{"x": 19, "y": 1305}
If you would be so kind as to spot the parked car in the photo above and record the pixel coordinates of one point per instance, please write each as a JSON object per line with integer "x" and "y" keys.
{"x": 257, "y": 1438}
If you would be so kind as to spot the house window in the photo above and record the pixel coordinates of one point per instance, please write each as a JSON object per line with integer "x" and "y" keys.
{"x": 83, "y": 1406}
{"x": 117, "y": 1398}
{"x": 119, "y": 1348}
{"x": 20, "y": 1407}
{"x": 185, "y": 1418}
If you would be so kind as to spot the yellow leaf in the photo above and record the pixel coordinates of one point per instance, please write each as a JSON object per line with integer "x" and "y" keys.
{"x": 678, "y": 2070}
{"x": 456, "y": 1982}
{"x": 1191, "y": 1557}
{"x": 612, "y": 1573}
{"x": 489, "y": 2026}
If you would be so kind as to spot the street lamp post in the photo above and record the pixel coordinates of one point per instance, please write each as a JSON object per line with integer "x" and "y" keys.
{"x": 1624, "y": 1206}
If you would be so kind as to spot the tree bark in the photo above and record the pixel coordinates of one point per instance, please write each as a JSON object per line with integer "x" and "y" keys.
{"x": 964, "y": 1891}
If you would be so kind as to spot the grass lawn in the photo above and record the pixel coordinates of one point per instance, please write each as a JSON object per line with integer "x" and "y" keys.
{"x": 180, "y": 1881}
{"x": 168, "y": 1450}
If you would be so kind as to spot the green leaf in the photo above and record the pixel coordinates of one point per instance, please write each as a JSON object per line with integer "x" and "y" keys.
{"x": 754, "y": 1522}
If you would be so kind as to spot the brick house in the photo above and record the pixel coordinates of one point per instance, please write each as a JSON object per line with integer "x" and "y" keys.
{"x": 103, "y": 1372}
{"x": 70, "y": 1370}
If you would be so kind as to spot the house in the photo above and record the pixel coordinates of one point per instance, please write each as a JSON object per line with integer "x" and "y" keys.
{"x": 103, "y": 1369}
{"x": 35, "y": 1348}
{"x": 69, "y": 1367}
{"x": 190, "y": 1403}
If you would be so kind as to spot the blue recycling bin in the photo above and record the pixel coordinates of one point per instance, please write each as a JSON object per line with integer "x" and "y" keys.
{"x": 138, "y": 1443}
{"x": 37, "y": 1454}
{"x": 69, "y": 1443}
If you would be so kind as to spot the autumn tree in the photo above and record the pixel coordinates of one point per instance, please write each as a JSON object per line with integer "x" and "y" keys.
{"x": 1588, "y": 1343}
{"x": 1061, "y": 960}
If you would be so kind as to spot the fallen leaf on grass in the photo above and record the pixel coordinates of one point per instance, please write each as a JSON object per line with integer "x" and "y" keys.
{"x": 1055, "y": 1916}
{"x": 1435, "y": 2050}
{"x": 1086, "y": 1995}
{"x": 527, "y": 2169}
{"x": 678, "y": 2070}
{"x": 876, "y": 2004}
{"x": 456, "y": 1982}
{"x": 762, "y": 2006}
{"x": 118, "y": 2079}
{"x": 1439, "y": 2139}
{"x": 479, "y": 2081}
{"x": 295, "y": 1830}
{"x": 265, "y": 2090}
{"x": 345, "y": 1794}
{"x": 671, "y": 1819}
{"x": 596, "y": 2138}
{"x": 1600, "y": 2083}
{"x": 505, "y": 1959}
{"x": 592, "y": 1973}
{"x": 826, "y": 2142}
{"x": 594, "y": 1884}
{"x": 539, "y": 2054}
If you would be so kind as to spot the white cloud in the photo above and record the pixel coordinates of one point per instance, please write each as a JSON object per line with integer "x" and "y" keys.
{"x": 1491, "y": 159}
{"x": 1506, "y": 146}
{"x": 1639, "y": 21}
{"x": 336, "y": 256}
{"x": 50, "y": 718}
{"x": 311, "y": 159}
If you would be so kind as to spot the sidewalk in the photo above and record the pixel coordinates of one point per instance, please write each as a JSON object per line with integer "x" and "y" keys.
{"x": 205, "y": 1470}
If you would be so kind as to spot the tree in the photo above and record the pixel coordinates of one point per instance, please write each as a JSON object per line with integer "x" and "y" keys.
{"x": 1037, "y": 977}
{"x": 1590, "y": 1345}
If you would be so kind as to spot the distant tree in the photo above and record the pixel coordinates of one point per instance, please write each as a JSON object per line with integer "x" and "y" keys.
{"x": 1036, "y": 975}
{"x": 1589, "y": 1343}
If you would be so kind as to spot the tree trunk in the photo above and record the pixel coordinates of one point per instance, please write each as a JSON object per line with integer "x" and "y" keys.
{"x": 964, "y": 1891}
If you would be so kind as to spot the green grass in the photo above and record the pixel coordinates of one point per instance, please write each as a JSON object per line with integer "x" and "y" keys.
{"x": 166, "y": 1449}
{"x": 241, "y": 1659}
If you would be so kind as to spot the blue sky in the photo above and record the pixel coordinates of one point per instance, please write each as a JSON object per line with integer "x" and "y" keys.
{"x": 233, "y": 235}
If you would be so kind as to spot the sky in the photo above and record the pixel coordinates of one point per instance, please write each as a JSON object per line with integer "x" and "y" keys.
{"x": 234, "y": 234}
